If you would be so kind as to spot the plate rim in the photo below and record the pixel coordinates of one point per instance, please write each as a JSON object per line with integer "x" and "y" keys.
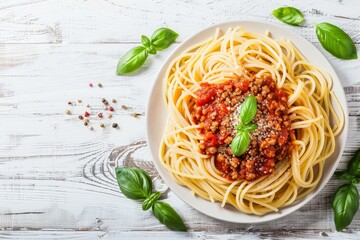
{"x": 320, "y": 185}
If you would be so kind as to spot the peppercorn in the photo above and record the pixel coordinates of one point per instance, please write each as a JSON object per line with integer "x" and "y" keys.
{"x": 69, "y": 103}
{"x": 90, "y": 85}
{"x": 79, "y": 100}
{"x": 110, "y": 115}
{"x": 124, "y": 107}
{"x": 87, "y": 114}
{"x": 113, "y": 100}
{"x": 111, "y": 109}
{"x": 104, "y": 101}
{"x": 100, "y": 115}
{"x": 87, "y": 105}
{"x": 100, "y": 85}
{"x": 91, "y": 128}
{"x": 85, "y": 123}
{"x": 114, "y": 125}
{"x": 102, "y": 125}
{"x": 81, "y": 117}
{"x": 105, "y": 107}
{"x": 86, "y": 120}
{"x": 68, "y": 112}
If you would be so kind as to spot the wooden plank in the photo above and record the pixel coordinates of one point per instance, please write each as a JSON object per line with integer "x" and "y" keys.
{"x": 110, "y": 21}
{"x": 290, "y": 234}
{"x": 55, "y": 173}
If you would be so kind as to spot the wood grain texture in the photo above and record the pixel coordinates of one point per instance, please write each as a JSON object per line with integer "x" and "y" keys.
{"x": 56, "y": 175}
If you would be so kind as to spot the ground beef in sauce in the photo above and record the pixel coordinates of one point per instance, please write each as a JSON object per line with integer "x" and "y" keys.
{"x": 216, "y": 111}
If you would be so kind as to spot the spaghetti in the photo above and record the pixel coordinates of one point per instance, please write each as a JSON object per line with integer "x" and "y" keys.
{"x": 239, "y": 57}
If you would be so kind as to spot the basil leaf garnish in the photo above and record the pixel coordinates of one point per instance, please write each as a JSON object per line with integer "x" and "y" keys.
{"x": 289, "y": 15}
{"x": 134, "y": 183}
{"x": 345, "y": 205}
{"x": 163, "y": 37}
{"x": 136, "y": 57}
{"x": 248, "y": 110}
{"x": 345, "y": 175}
{"x": 132, "y": 60}
{"x": 145, "y": 41}
{"x": 168, "y": 216}
{"x": 249, "y": 127}
{"x": 336, "y": 41}
{"x": 240, "y": 143}
{"x": 149, "y": 202}
{"x": 354, "y": 164}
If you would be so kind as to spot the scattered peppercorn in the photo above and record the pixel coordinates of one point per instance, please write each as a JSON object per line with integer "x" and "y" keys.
{"x": 86, "y": 120}
{"x": 111, "y": 109}
{"x": 85, "y": 123}
{"x": 110, "y": 115}
{"x": 100, "y": 115}
{"x": 90, "y": 85}
{"x": 79, "y": 100}
{"x": 81, "y": 117}
{"x": 100, "y": 85}
{"x": 91, "y": 128}
{"x": 68, "y": 112}
{"x": 87, "y": 105}
{"x": 87, "y": 114}
{"x": 124, "y": 107}
{"x": 104, "y": 101}
{"x": 69, "y": 103}
{"x": 102, "y": 125}
{"x": 113, "y": 100}
{"x": 115, "y": 125}
{"x": 105, "y": 107}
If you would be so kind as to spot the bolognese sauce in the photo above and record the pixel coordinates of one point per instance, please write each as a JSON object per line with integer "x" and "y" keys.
{"x": 217, "y": 112}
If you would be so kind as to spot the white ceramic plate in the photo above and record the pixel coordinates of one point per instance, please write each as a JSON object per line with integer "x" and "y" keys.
{"x": 156, "y": 118}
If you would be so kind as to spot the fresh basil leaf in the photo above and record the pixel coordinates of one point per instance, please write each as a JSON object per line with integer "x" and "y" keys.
{"x": 163, "y": 37}
{"x": 336, "y": 41}
{"x": 240, "y": 143}
{"x": 132, "y": 60}
{"x": 151, "y": 49}
{"x": 149, "y": 202}
{"x": 145, "y": 41}
{"x": 168, "y": 216}
{"x": 355, "y": 180}
{"x": 345, "y": 175}
{"x": 134, "y": 183}
{"x": 249, "y": 127}
{"x": 248, "y": 110}
{"x": 345, "y": 205}
{"x": 289, "y": 15}
{"x": 354, "y": 164}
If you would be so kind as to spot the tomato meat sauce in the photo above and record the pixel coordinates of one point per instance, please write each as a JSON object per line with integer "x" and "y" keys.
{"x": 217, "y": 112}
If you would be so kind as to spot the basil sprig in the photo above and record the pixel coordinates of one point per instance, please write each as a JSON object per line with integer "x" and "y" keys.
{"x": 346, "y": 199}
{"x": 135, "y": 183}
{"x": 332, "y": 38}
{"x": 336, "y": 41}
{"x": 289, "y": 15}
{"x": 135, "y": 58}
{"x": 241, "y": 140}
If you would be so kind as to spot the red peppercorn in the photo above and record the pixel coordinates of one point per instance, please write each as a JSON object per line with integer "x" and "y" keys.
{"x": 90, "y": 85}
{"x": 69, "y": 103}
{"x": 81, "y": 117}
{"x": 86, "y": 114}
{"x": 100, "y": 115}
{"x": 111, "y": 109}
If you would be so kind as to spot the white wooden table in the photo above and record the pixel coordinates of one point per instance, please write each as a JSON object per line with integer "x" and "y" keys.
{"x": 56, "y": 180}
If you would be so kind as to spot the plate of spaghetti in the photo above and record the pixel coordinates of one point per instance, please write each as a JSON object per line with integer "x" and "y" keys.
{"x": 246, "y": 121}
